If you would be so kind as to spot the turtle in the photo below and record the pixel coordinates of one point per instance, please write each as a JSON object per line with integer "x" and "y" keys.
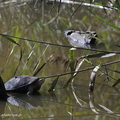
{"x": 80, "y": 38}
{"x": 24, "y": 84}
{"x": 21, "y": 100}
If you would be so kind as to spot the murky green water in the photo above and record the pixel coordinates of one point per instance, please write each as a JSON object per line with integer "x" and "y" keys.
{"x": 40, "y": 21}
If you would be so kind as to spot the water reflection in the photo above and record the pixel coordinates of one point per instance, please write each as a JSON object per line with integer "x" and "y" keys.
{"x": 2, "y": 108}
{"x": 25, "y": 101}
{"x": 42, "y": 22}
{"x": 65, "y": 103}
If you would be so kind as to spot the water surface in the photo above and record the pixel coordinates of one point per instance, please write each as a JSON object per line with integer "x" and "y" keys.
{"x": 40, "y": 21}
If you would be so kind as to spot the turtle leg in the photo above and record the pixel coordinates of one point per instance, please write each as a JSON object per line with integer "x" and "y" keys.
{"x": 30, "y": 90}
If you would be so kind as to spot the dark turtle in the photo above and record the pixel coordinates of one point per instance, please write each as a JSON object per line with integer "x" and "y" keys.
{"x": 24, "y": 84}
{"x": 80, "y": 38}
{"x": 17, "y": 99}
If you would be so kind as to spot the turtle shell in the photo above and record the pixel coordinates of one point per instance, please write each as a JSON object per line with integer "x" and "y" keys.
{"x": 24, "y": 83}
{"x": 80, "y": 38}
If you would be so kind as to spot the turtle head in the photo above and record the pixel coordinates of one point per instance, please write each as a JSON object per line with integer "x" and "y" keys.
{"x": 68, "y": 32}
{"x": 34, "y": 88}
{"x": 41, "y": 81}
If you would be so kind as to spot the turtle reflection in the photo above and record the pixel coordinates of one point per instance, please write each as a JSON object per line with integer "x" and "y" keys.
{"x": 22, "y": 100}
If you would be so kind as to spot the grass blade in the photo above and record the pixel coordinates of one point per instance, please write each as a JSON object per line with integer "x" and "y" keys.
{"x": 21, "y": 54}
{"x": 10, "y": 39}
{"x": 74, "y": 74}
{"x": 92, "y": 78}
{"x": 99, "y": 55}
{"x": 53, "y": 84}
{"x": 39, "y": 69}
{"x": 117, "y": 28}
{"x": 68, "y": 82}
{"x": 116, "y": 83}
